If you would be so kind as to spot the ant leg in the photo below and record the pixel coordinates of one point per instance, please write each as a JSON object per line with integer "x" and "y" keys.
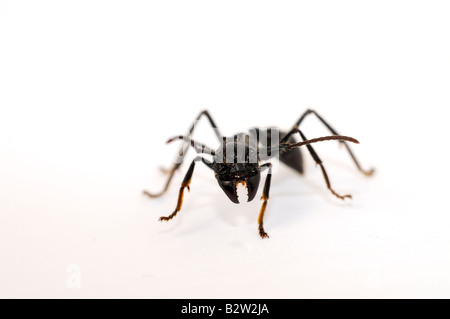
{"x": 265, "y": 197}
{"x": 171, "y": 173}
{"x": 318, "y": 162}
{"x": 182, "y": 153}
{"x": 184, "y": 184}
{"x": 332, "y": 130}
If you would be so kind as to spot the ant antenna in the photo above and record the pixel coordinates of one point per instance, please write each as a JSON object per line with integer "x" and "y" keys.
{"x": 325, "y": 138}
{"x": 314, "y": 140}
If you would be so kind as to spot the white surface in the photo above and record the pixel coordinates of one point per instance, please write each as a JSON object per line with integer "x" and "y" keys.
{"x": 90, "y": 91}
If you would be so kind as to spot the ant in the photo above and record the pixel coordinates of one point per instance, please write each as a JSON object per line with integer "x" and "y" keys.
{"x": 238, "y": 158}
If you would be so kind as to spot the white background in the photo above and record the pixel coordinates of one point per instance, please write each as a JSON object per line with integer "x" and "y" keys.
{"x": 91, "y": 90}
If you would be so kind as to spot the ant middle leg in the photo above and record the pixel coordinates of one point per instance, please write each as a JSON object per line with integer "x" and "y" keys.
{"x": 333, "y": 131}
{"x": 182, "y": 153}
{"x": 318, "y": 162}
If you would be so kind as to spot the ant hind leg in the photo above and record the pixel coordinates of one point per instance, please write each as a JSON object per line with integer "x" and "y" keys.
{"x": 333, "y": 131}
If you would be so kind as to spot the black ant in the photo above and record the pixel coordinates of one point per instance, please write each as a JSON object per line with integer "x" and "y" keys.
{"x": 238, "y": 158}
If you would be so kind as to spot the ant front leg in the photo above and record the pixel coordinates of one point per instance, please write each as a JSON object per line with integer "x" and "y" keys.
{"x": 333, "y": 131}
{"x": 182, "y": 152}
{"x": 265, "y": 197}
{"x": 184, "y": 184}
{"x": 317, "y": 160}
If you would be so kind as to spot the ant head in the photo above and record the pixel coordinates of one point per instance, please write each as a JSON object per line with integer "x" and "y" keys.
{"x": 236, "y": 162}
{"x": 230, "y": 175}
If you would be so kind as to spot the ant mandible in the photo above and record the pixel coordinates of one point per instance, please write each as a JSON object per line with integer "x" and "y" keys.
{"x": 237, "y": 160}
